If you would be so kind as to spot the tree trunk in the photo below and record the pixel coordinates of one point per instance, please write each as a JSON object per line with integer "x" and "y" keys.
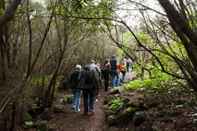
{"x": 2, "y": 60}
{"x": 188, "y": 36}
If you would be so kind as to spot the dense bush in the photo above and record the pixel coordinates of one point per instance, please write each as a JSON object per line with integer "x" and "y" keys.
{"x": 160, "y": 80}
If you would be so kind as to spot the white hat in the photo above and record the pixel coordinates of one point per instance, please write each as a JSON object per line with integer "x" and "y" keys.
{"x": 92, "y": 61}
{"x": 78, "y": 66}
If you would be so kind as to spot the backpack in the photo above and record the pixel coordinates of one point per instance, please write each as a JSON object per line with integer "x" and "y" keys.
{"x": 89, "y": 80}
{"x": 113, "y": 63}
{"x": 106, "y": 68}
{"x": 97, "y": 76}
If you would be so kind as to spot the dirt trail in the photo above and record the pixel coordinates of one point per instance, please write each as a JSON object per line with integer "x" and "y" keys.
{"x": 71, "y": 121}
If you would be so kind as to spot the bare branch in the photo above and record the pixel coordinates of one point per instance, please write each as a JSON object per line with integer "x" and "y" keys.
{"x": 146, "y": 7}
{"x": 30, "y": 39}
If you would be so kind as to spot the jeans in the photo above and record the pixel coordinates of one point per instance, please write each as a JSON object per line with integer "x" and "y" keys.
{"x": 89, "y": 100}
{"x": 76, "y": 99}
{"x": 115, "y": 79}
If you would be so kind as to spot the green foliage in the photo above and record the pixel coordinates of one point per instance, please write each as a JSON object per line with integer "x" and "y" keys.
{"x": 147, "y": 66}
{"x": 126, "y": 37}
{"x": 157, "y": 82}
{"x": 116, "y": 104}
{"x": 27, "y": 117}
{"x": 84, "y": 10}
{"x": 2, "y": 3}
{"x": 1, "y": 11}
{"x": 68, "y": 98}
{"x": 145, "y": 38}
{"x": 28, "y": 124}
{"x": 39, "y": 78}
{"x": 119, "y": 53}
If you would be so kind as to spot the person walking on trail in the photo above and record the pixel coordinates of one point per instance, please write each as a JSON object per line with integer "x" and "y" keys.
{"x": 129, "y": 64}
{"x": 74, "y": 82}
{"x": 122, "y": 68}
{"x": 106, "y": 74}
{"x": 89, "y": 83}
{"x": 96, "y": 67}
{"x": 114, "y": 73}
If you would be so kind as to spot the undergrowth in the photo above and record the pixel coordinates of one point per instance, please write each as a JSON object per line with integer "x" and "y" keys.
{"x": 160, "y": 80}
{"x": 116, "y": 104}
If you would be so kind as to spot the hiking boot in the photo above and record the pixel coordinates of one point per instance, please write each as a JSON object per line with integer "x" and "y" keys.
{"x": 77, "y": 110}
{"x": 73, "y": 107}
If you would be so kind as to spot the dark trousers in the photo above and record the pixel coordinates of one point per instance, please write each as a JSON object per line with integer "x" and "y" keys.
{"x": 106, "y": 82}
{"x": 106, "y": 75}
{"x": 89, "y": 98}
{"x": 115, "y": 78}
{"x": 123, "y": 76}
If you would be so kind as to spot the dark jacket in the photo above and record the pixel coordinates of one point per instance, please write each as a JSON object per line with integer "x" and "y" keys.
{"x": 106, "y": 71}
{"x": 113, "y": 63}
{"x": 89, "y": 81}
{"x": 75, "y": 79}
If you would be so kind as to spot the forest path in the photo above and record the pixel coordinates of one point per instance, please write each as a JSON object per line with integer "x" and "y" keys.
{"x": 72, "y": 121}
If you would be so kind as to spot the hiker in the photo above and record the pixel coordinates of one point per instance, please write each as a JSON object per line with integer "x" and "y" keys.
{"x": 89, "y": 83}
{"x": 114, "y": 73}
{"x": 124, "y": 61}
{"x": 122, "y": 68}
{"x": 96, "y": 66}
{"x": 74, "y": 82}
{"x": 129, "y": 64}
{"x": 106, "y": 74}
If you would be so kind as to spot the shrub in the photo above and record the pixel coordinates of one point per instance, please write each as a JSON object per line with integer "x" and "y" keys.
{"x": 116, "y": 104}
{"x": 159, "y": 81}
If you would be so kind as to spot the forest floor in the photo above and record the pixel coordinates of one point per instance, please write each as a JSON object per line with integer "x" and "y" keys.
{"x": 72, "y": 121}
{"x": 173, "y": 109}
{"x": 168, "y": 110}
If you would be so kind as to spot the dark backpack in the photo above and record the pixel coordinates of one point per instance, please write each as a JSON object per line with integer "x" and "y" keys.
{"x": 113, "y": 64}
{"x": 89, "y": 80}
